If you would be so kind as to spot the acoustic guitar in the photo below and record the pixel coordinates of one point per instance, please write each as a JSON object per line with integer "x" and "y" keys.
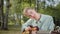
{"x": 32, "y": 31}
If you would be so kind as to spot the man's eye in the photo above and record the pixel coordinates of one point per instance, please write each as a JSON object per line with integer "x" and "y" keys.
{"x": 29, "y": 15}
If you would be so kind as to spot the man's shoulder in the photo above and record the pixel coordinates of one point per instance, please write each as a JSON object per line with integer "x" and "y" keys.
{"x": 47, "y": 16}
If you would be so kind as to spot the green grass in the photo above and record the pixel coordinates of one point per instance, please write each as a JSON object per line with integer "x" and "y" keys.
{"x": 11, "y": 30}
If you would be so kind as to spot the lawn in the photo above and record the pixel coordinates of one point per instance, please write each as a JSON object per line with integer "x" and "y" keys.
{"x": 11, "y": 30}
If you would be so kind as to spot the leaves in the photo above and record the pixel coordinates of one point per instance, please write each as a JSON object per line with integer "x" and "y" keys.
{"x": 17, "y": 7}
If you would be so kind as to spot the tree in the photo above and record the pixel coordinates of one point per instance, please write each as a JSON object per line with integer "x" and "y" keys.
{"x": 6, "y": 15}
{"x": 1, "y": 14}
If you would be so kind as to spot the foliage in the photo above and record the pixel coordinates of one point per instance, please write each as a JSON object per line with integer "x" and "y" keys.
{"x": 17, "y": 6}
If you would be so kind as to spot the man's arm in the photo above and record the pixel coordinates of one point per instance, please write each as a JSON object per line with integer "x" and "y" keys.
{"x": 51, "y": 24}
{"x": 26, "y": 25}
{"x": 48, "y": 25}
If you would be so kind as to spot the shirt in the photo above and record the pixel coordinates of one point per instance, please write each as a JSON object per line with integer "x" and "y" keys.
{"x": 44, "y": 23}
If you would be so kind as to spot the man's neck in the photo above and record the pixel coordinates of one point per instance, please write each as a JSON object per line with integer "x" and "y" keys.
{"x": 38, "y": 16}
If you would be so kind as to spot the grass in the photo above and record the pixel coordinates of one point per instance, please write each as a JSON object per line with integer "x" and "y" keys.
{"x": 11, "y": 30}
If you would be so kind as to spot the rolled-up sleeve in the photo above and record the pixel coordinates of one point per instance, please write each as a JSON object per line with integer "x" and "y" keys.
{"x": 25, "y": 25}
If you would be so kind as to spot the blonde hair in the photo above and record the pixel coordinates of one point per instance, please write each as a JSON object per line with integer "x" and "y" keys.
{"x": 26, "y": 9}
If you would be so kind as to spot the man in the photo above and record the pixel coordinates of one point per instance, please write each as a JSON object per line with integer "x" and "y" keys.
{"x": 44, "y": 22}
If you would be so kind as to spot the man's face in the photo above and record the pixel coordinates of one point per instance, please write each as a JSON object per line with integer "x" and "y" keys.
{"x": 31, "y": 13}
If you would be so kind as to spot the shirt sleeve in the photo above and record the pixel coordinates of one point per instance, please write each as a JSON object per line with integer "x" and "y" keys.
{"x": 51, "y": 24}
{"x": 26, "y": 25}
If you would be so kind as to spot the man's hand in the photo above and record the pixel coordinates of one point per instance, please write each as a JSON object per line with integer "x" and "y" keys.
{"x": 28, "y": 28}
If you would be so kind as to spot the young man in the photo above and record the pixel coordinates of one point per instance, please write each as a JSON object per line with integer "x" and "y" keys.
{"x": 44, "y": 22}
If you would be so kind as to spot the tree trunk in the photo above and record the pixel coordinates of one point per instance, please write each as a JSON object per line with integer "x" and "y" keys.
{"x": 6, "y": 15}
{"x": 1, "y": 14}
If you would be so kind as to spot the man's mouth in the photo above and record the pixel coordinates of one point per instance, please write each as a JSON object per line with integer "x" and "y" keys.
{"x": 33, "y": 17}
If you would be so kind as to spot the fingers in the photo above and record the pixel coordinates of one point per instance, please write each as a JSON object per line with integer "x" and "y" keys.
{"x": 28, "y": 28}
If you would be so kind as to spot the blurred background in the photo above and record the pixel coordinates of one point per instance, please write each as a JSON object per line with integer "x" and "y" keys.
{"x": 11, "y": 13}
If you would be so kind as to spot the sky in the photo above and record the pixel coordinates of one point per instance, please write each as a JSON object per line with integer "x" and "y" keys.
{"x": 50, "y": 2}
{"x": 47, "y": 2}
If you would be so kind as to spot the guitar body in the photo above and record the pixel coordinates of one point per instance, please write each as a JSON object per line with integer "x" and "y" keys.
{"x": 32, "y": 31}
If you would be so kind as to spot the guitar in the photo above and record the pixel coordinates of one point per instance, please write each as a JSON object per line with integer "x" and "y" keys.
{"x": 32, "y": 31}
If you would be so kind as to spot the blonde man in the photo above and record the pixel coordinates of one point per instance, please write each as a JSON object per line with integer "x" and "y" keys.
{"x": 44, "y": 22}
